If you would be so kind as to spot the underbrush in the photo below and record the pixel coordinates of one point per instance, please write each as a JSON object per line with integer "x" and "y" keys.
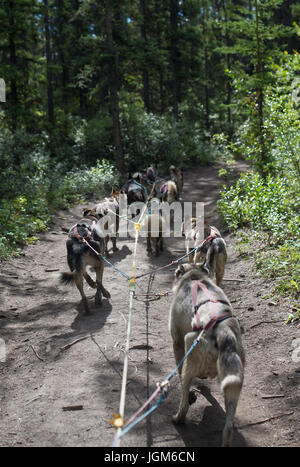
{"x": 263, "y": 206}
{"x": 22, "y": 217}
{"x": 264, "y": 215}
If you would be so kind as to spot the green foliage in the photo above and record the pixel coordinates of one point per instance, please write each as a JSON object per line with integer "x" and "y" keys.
{"x": 269, "y": 206}
{"x": 283, "y": 266}
{"x": 22, "y": 216}
{"x": 80, "y": 184}
{"x": 159, "y": 138}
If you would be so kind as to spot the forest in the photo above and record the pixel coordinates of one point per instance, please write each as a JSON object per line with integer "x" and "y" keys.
{"x": 97, "y": 89}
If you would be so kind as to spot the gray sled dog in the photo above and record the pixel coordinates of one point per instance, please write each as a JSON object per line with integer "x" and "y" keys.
{"x": 211, "y": 250}
{"x": 199, "y": 304}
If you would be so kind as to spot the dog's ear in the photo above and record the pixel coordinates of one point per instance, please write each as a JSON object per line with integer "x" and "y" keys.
{"x": 179, "y": 271}
{"x": 85, "y": 211}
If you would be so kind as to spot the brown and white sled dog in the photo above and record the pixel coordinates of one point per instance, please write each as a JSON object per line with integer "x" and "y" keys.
{"x": 177, "y": 177}
{"x": 211, "y": 250}
{"x": 80, "y": 255}
{"x": 107, "y": 212}
{"x": 199, "y": 303}
{"x": 152, "y": 223}
{"x": 166, "y": 191}
{"x": 192, "y": 230}
{"x": 154, "y": 226}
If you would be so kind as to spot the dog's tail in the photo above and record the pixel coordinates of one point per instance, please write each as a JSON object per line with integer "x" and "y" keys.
{"x": 231, "y": 374}
{"x": 230, "y": 364}
{"x": 217, "y": 249}
{"x": 69, "y": 278}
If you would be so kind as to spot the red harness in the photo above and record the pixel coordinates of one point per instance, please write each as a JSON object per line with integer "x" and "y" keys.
{"x": 213, "y": 316}
{"x": 79, "y": 237}
{"x": 213, "y": 234}
{"x": 164, "y": 188}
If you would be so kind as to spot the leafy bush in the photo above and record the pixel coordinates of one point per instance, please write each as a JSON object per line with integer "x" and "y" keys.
{"x": 269, "y": 206}
{"x": 83, "y": 183}
{"x": 24, "y": 215}
{"x": 160, "y": 138}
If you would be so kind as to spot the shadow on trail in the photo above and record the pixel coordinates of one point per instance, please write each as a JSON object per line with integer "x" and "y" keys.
{"x": 208, "y": 432}
{"x": 117, "y": 256}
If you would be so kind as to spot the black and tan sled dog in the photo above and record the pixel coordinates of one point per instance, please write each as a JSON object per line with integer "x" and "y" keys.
{"x": 85, "y": 247}
{"x": 198, "y": 305}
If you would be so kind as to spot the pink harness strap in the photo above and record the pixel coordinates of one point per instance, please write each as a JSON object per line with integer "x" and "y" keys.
{"x": 79, "y": 237}
{"x": 214, "y": 316}
{"x": 164, "y": 188}
{"x": 213, "y": 234}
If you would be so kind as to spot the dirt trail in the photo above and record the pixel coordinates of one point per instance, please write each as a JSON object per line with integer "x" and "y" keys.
{"x": 39, "y": 317}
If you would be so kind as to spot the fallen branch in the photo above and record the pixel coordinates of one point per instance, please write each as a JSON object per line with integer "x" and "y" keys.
{"x": 74, "y": 342}
{"x": 34, "y": 399}
{"x": 73, "y": 407}
{"x": 235, "y": 280}
{"x": 113, "y": 366}
{"x": 266, "y": 322}
{"x": 272, "y": 396}
{"x": 264, "y": 420}
{"x": 40, "y": 358}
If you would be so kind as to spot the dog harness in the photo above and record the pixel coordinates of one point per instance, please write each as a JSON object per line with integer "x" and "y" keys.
{"x": 73, "y": 232}
{"x": 213, "y": 234}
{"x": 164, "y": 188}
{"x": 209, "y": 319}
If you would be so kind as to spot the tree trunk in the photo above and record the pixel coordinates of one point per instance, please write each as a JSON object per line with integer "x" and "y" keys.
{"x": 64, "y": 67}
{"x": 174, "y": 54}
{"x": 13, "y": 63}
{"x": 145, "y": 73}
{"x": 49, "y": 64}
{"x": 206, "y": 90}
{"x": 228, "y": 64}
{"x": 114, "y": 98}
{"x": 260, "y": 96}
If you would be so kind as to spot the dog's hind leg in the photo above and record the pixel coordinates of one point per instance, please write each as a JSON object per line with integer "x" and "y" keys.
{"x": 89, "y": 280}
{"x": 114, "y": 242}
{"x": 149, "y": 247}
{"x": 187, "y": 376}
{"x": 106, "y": 245}
{"x": 79, "y": 284}
{"x": 231, "y": 397}
{"x": 100, "y": 289}
{"x": 178, "y": 349}
{"x": 186, "y": 381}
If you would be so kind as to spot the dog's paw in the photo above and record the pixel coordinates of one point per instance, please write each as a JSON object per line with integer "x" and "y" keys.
{"x": 106, "y": 293}
{"x": 98, "y": 298}
{"x": 192, "y": 397}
